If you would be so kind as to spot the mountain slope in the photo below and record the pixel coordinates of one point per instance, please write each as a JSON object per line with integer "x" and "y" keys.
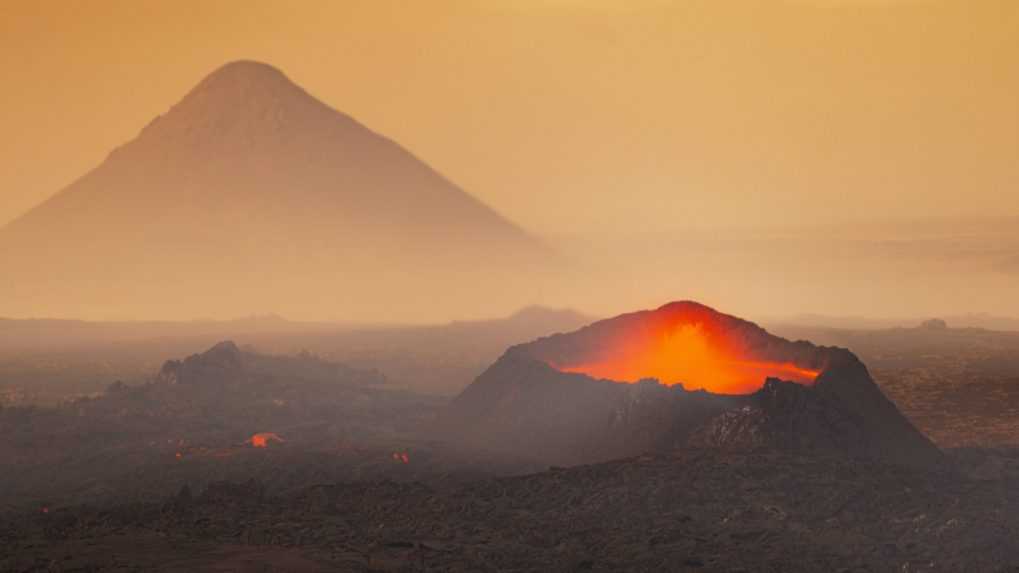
{"x": 251, "y": 195}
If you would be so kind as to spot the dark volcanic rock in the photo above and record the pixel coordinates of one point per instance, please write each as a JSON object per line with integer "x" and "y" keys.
{"x": 524, "y": 405}
{"x": 223, "y": 360}
{"x": 786, "y": 415}
{"x": 692, "y": 510}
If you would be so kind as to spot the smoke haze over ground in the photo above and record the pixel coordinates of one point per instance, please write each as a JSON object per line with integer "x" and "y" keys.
{"x": 535, "y": 285}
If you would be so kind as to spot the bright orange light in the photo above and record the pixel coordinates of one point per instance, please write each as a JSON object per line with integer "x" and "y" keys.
{"x": 690, "y": 348}
{"x": 262, "y": 439}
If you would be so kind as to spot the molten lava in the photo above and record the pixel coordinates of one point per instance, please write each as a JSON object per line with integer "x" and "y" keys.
{"x": 262, "y": 439}
{"x": 690, "y": 348}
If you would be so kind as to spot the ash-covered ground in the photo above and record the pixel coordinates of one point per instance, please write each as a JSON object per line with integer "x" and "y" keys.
{"x": 688, "y": 511}
{"x": 162, "y": 475}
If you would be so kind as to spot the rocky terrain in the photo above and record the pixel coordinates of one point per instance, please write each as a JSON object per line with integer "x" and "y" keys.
{"x": 166, "y": 475}
{"x": 525, "y": 404}
{"x": 687, "y": 511}
{"x": 960, "y": 386}
{"x": 195, "y": 421}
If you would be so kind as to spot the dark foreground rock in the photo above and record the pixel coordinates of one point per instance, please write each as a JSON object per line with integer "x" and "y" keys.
{"x": 699, "y": 510}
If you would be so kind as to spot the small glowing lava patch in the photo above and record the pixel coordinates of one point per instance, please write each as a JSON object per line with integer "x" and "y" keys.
{"x": 262, "y": 439}
{"x": 689, "y": 348}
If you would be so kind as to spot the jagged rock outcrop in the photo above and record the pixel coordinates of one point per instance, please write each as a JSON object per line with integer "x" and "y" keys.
{"x": 220, "y": 363}
{"x": 786, "y": 415}
{"x": 526, "y": 405}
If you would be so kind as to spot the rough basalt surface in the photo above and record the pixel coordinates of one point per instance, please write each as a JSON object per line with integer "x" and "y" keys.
{"x": 695, "y": 510}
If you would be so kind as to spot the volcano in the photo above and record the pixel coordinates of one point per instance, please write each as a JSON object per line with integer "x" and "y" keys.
{"x": 682, "y": 375}
{"x": 251, "y": 196}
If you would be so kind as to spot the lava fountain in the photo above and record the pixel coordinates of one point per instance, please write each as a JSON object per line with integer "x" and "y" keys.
{"x": 694, "y": 346}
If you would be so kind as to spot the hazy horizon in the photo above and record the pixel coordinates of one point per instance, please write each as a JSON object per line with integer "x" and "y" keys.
{"x": 843, "y": 158}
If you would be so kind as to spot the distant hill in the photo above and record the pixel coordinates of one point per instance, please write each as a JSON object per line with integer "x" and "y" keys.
{"x": 46, "y": 361}
{"x": 251, "y": 196}
{"x": 972, "y": 320}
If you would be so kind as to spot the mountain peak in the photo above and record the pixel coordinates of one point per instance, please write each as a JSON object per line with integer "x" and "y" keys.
{"x": 245, "y": 85}
{"x": 239, "y": 105}
{"x": 245, "y": 73}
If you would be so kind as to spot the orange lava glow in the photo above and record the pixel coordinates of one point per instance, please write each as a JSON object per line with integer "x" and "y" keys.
{"x": 689, "y": 349}
{"x": 262, "y": 439}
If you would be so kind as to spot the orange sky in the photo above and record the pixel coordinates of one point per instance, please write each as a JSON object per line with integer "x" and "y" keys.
{"x": 568, "y": 115}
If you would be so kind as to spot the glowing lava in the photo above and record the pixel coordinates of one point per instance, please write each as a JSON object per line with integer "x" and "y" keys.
{"x": 262, "y": 439}
{"x": 691, "y": 348}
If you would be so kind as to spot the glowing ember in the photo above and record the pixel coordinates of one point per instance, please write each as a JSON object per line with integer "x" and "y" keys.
{"x": 691, "y": 348}
{"x": 262, "y": 439}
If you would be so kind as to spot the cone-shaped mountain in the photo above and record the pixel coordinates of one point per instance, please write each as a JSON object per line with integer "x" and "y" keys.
{"x": 250, "y": 195}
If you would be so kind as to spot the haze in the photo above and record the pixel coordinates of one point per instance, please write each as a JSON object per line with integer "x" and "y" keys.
{"x": 524, "y": 285}
{"x": 773, "y": 158}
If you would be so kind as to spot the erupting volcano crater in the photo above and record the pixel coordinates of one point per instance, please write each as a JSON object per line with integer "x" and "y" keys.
{"x": 682, "y": 343}
{"x": 680, "y": 375}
